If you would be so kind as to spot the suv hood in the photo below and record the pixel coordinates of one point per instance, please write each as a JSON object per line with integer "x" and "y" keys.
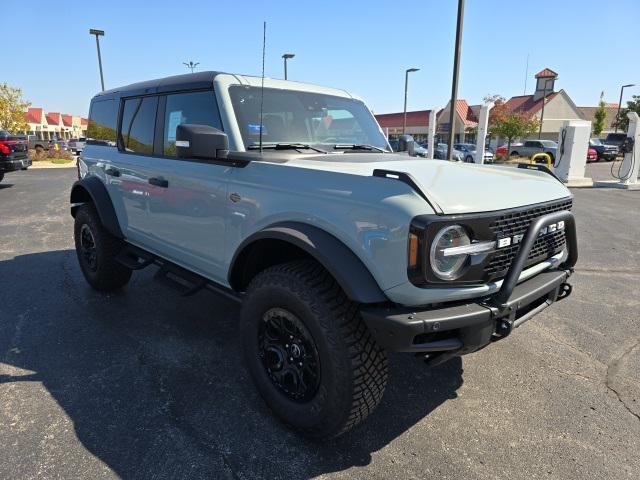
{"x": 455, "y": 187}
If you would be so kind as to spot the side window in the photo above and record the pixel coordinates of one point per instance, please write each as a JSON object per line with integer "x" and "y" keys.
{"x": 529, "y": 144}
{"x": 199, "y": 108}
{"x": 101, "y": 129}
{"x": 138, "y": 125}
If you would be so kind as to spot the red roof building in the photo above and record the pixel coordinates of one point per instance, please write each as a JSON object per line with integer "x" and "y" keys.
{"x": 45, "y": 126}
{"x": 558, "y": 106}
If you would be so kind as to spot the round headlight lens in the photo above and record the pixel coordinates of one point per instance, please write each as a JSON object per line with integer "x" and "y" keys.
{"x": 449, "y": 267}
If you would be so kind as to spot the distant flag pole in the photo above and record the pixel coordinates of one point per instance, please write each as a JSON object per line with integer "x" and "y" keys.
{"x": 526, "y": 74}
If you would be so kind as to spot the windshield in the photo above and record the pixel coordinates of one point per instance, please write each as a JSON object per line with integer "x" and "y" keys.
{"x": 549, "y": 143}
{"x": 291, "y": 116}
{"x": 596, "y": 141}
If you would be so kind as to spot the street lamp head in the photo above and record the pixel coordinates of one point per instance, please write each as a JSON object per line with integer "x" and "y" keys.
{"x": 629, "y": 85}
{"x": 93, "y": 31}
{"x": 410, "y": 70}
{"x": 288, "y": 55}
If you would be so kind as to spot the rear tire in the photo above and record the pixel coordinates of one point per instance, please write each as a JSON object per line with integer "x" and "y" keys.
{"x": 1, "y": 176}
{"x": 343, "y": 371}
{"x": 96, "y": 250}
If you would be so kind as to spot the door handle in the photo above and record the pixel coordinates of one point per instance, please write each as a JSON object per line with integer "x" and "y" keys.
{"x": 159, "y": 182}
{"x": 113, "y": 172}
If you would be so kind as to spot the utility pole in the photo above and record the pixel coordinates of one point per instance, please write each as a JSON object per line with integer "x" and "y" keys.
{"x": 454, "y": 82}
{"x": 406, "y": 87}
{"x": 286, "y": 57}
{"x": 191, "y": 65}
{"x": 98, "y": 33}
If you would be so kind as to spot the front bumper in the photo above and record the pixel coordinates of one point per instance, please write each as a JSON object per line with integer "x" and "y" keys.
{"x": 14, "y": 164}
{"x": 464, "y": 327}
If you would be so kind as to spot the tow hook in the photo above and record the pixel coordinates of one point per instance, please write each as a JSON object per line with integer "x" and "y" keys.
{"x": 504, "y": 326}
{"x": 564, "y": 291}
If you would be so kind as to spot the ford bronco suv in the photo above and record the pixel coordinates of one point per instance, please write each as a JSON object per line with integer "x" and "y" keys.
{"x": 286, "y": 197}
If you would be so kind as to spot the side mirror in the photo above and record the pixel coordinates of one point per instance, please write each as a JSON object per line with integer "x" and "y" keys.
{"x": 407, "y": 144}
{"x": 201, "y": 141}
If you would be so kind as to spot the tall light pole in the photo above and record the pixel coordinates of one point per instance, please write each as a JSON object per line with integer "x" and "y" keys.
{"x": 191, "y": 65}
{"x": 406, "y": 87}
{"x": 620, "y": 103}
{"x": 544, "y": 101}
{"x": 98, "y": 33}
{"x": 286, "y": 57}
{"x": 454, "y": 82}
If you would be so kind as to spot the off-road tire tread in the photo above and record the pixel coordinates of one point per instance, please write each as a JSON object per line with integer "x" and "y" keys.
{"x": 368, "y": 361}
{"x": 112, "y": 275}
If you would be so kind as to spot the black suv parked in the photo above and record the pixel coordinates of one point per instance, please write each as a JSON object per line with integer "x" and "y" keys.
{"x": 13, "y": 153}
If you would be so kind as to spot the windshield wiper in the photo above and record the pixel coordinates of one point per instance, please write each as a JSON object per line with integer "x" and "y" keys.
{"x": 358, "y": 146}
{"x": 286, "y": 146}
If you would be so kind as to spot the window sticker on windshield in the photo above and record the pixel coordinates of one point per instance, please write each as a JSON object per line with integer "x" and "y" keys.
{"x": 175, "y": 119}
{"x": 254, "y": 128}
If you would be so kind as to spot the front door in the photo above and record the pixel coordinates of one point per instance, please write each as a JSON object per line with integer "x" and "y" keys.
{"x": 187, "y": 200}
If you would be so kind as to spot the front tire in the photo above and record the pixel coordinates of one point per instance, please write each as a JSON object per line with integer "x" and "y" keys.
{"x": 311, "y": 356}
{"x": 97, "y": 249}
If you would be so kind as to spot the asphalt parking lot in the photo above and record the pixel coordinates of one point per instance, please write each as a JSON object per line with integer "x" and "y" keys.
{"x": 148, "y": 384}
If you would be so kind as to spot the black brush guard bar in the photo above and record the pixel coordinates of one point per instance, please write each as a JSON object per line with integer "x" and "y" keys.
{"x": 513, "y": 274}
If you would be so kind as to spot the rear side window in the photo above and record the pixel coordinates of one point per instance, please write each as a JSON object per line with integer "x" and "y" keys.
{"x": 138, "y": 125}
{"x": 101, "y": 129}
{"x": 199, "y": 108}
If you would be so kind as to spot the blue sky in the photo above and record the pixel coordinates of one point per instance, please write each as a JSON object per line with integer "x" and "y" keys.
{"x": 361, "y": 46}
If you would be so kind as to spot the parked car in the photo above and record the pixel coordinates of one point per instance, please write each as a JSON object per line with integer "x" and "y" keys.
{"x": 37, "y": 144}
{"x": 441, "y": 153}
{"x": 469, "y": 152}
{"x": 13, "y": 153}
{"x": 338, "y": 250}
{"x": 501, "y": 151}
{"x": 616, "y": 139}
{"x": 531, "y": 147}
{"x": 418, "y": 149}
{"x": 76, "y": 144}
{"x": 592, "y": 155}
{"x": 604, "y": 151}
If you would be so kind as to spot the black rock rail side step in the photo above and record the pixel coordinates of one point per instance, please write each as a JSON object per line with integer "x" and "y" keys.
{"x": 184, "y": 281}
{"x": 135, "y": 258}
{"x": 170, "y": 274}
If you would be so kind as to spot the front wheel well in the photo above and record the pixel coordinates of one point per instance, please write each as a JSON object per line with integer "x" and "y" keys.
{"x": 261, "y": 255}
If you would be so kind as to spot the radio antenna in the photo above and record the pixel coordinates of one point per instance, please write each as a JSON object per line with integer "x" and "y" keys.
{"x": 264, "y": 43}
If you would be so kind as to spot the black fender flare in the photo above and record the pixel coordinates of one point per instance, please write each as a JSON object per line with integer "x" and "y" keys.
{"x": 348, "y": 270}
{"x": 91, "y": 189}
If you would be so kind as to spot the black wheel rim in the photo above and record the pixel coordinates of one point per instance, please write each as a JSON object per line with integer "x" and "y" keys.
{"x": 289, "y": 354}
{"x": 88, "y": 247}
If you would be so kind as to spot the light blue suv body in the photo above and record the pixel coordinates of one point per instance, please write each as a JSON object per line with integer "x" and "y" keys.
{"x": 304, "y": 172}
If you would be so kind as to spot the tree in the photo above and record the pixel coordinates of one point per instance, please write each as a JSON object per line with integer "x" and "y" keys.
{"x": 512, "y": 125}
{"x": 622, "y": 123}
{"x": 12, "y": 108}
{"x": 599, "y": 117}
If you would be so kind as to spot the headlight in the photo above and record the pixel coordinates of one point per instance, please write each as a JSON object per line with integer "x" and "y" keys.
{"x": 445, "y": 265}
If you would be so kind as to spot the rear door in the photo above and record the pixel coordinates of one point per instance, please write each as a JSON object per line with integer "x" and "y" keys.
{"x": 187, "y": 199}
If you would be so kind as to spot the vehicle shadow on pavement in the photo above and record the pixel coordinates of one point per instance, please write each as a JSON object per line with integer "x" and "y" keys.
{"x": 155, "y": 386}
{"x": 5, "y": 185}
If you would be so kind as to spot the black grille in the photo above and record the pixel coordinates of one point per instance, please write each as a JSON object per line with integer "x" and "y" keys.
{"x": 517, "y": 223}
